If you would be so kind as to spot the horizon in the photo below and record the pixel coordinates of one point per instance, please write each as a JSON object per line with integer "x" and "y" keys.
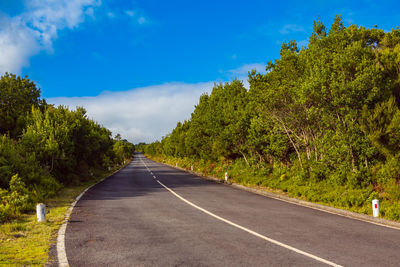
{"x": 139, "y": 67}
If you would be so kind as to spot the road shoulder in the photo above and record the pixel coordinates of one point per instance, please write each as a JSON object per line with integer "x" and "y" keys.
{"x": 299, "y": 202}
{"x": 57, "y": 253}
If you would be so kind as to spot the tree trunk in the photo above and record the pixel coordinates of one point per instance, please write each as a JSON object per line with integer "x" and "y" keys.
{"x": 260, "y": 157}
{"x": 308, "y": 150}
{"x": 293, "y": 144}
{"x": 316, "y": 153}
{"x": 52, "y": 164}
{"x": 353, "y": 161}
{"x": 245, "y": 159}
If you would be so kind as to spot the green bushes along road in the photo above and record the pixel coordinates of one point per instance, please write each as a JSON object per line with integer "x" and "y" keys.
{"x": 323, "y": 122}
{"x": 44, "y": 148}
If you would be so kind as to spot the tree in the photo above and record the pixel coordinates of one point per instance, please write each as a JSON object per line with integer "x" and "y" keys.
{"x": 123, "y": 150}
{"x": 17, "y": 96}
{"x": 66, "y": 141}
{"x": 329, "y": 110}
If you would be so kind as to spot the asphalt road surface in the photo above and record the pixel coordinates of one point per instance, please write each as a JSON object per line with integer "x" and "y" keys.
{"x": 149, "y": 214}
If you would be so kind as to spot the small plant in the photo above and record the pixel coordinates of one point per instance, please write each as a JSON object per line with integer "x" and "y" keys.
{"x": 18, "y": 198}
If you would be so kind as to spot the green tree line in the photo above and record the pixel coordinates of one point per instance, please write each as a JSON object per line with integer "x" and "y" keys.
{"x": 43, "y": 148}
{"x": 323, "y": 122}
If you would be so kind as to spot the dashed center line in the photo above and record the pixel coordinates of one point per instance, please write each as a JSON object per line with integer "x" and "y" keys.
{"x": 241, "y": 227}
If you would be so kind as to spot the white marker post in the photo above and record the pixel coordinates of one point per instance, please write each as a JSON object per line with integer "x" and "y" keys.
{"x": 375, "y": 207}
{"x": 226, "y": 177}
{"x": 41, "y": 212}
{"x": 176, "y": 164}
{"x": 191, "y": 168}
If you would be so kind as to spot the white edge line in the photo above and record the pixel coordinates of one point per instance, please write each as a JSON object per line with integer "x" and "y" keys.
{"x": 294, "y": 202}
{"x": 246, "y": 229}
{"x": 61, "y": 252}
{"x": 328, "y": 211}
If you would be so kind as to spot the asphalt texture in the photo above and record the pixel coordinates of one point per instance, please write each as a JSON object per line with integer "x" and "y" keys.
{"x": 130, "y": 219}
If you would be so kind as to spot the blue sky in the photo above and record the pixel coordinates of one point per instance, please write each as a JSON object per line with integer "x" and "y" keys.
{"x": 86, "y": 50}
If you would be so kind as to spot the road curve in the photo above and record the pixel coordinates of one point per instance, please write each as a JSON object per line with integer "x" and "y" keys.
{"x": 149, "y": 214}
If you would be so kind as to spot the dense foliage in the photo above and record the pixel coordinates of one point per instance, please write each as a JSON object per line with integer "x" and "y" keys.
{"x": 323, "y": 122}
{"x": 43, "y": 148}
{"x": 17, "y": 95}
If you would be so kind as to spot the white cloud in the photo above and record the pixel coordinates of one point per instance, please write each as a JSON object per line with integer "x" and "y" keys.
{"x": 27, "y": 34}
{"x": 288, "y": 28}
{"x": 142, "y": 20}
{"x": 90, "y": 12}
{"x": 130, "y": 13}
{"x": 302, "y": 43}
{"x": 148, "y": 113}
{"x": 244, "y": 70}
{"x": 241, "y": 73}
{"x": 141, "y": 114}
{"x": 138, "y": 16}
{"x": 17, "y": 45}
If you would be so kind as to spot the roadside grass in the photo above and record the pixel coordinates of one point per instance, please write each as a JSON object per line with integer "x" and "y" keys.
{"x": 26, "y": 242}
{"x": 288, "y": 184}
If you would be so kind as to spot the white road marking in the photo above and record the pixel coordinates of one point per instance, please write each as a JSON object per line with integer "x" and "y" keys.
{"x": 61, "y": 253}
{"x": 327, "y": 211}
{"x": 244, "y": 228}
{"x": 321, "y": 209}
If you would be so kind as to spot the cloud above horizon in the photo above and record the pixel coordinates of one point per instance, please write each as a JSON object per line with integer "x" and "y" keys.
{"x": 289, "y": 28}
{"x": 243, "y": 70}
{"x": 34, "y": 30}
{"x": 148, "y": 113}
{"x": 141, "y": 114}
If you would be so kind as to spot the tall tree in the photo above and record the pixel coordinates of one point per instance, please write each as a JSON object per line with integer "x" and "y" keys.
{"x": 17, "y": 96}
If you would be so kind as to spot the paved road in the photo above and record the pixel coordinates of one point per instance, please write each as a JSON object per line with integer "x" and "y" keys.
{"x": 177, "y": 219}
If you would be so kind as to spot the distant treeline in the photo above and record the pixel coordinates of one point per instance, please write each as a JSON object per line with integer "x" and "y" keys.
{"x": 322, "y": 123}
{"x": 43, "y": 147}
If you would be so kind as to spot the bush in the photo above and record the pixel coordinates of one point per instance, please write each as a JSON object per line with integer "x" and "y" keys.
{"x": 392, "y": 211}
{"x": 43, "y": 147}
{"x": 5, "y": 210}
{"x": 17, "y": 200}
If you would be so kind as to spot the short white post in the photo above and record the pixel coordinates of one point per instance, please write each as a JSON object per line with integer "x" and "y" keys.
{"x": 41, "y": 212}
{"x": 191, "y": 168}
{"x": 176, "y": 164}
{"x": 226, "y": 177}
{"x": 375, "y": 207}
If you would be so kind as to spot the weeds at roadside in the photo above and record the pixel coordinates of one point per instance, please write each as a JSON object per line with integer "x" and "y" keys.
{"x": 282, "y": 181}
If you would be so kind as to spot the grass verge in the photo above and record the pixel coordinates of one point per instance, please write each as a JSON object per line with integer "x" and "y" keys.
{"x": 285, "y": 183}
{"x": 26, "y": 242}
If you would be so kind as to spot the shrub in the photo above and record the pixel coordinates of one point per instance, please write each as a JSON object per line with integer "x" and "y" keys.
{"x": 18, "y": 198}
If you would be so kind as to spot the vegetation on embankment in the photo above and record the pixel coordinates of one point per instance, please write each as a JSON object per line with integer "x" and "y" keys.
{"x": 239, "y": 172}
{"x": 322, "y": 124}
{"x": 44, "y": 148}
{"x": 47, "y": 154}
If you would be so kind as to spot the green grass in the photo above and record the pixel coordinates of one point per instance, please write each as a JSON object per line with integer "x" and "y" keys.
{"x": 286, "y": 182}
{"x": 26, "y": 242}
